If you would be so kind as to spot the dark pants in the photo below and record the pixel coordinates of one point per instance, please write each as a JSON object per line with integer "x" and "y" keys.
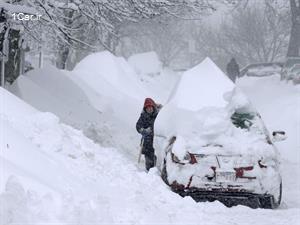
{"x": 150, "y": 160}
{"x": 148, "y": 151}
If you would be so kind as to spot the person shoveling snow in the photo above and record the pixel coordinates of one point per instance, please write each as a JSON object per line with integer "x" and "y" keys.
{"x": 144, "y": 126}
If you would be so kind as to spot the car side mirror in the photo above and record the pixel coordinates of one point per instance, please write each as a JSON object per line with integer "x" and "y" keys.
{"x": 278, "y": 136}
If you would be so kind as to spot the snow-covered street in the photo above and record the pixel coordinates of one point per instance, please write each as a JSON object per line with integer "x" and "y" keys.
{"x": 52, "y": 173}
{"x": 149, "y": 112}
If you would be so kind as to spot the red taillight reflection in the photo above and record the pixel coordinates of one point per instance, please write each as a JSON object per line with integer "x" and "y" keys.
{"x": 240, "y": 172}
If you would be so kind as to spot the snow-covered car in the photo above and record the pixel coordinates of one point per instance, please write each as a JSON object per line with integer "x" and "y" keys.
{"x": 213, "y": 145}
{"x": 294, "y": 73}
{"x": 291, "y": 70}
{"x": 262, "y": 69}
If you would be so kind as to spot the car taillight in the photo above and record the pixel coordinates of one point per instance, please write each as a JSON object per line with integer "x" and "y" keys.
{"x": 240, "y": 172}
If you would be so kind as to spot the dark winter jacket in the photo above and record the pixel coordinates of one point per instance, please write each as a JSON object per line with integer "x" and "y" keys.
{"x": 233, "y": 70}
{"x": 145, "y": 121}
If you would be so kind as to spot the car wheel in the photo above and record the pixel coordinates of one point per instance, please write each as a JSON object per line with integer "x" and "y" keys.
{"x": 270, "y": 202}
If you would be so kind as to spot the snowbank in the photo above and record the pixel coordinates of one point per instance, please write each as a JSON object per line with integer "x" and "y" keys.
{"x": 51, "y": 173}
{"x": 118, "y": 92}
{"x": 146, "y": 63}
{"x": 279, "y": 105}
{"x": 50, "y": 90}
{"x": 68, "y": 179}
{"x": 24, "y": 133}
{"x": 113, "y": 88}
{"x": 110, "y": 76}
{"x": 160, "y": 86}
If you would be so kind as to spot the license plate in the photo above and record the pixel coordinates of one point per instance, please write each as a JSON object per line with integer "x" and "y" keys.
{"x": 223, "y": 176}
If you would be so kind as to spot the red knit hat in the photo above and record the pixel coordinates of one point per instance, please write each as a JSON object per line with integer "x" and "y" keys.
{"x": 149, "y": 102}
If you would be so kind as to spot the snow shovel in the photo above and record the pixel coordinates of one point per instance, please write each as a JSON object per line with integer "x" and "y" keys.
{"x": 141, "y": 149}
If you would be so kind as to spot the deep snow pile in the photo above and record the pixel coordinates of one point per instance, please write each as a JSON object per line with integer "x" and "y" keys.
{"x": 201, "y": 86}
{"x": 146, "y": 63}
{"x": 157, "y": 80}
{"x": 110, "y": 76}
{"x": 160, "y": 86}
{"x": 200, "y": 111}
{"x": 53, "y": 174}
{"x": 279, "y": 105}
{"x": 114, "y": 88}
{"x": 103, "y": 96}
{"x": 50, "y": 90}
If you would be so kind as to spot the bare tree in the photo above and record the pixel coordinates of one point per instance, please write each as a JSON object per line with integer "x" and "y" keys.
{"x": 165, "y": 35}
{"x": 252, "y": 34}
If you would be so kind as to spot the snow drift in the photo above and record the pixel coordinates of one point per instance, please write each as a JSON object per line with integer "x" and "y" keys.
{"x": 146, "y": 63}
{"x": 202, "y": 86}
{"x": 67, "y": 179}
{"x": 50, "y": 90}
{"x": 114, "y": 88}
{"x": 110, "y": 76}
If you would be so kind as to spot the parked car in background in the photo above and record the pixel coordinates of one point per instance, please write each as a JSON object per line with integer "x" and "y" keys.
{"x": 291, "y": 70}
{"x": 262, "y": 69}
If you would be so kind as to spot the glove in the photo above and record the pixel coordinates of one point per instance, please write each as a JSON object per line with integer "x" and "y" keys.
{"x": 146, "y": 131}
{"x": 159, "y": 106}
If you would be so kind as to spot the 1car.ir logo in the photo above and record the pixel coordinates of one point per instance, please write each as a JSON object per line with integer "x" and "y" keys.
{"x": 26, "y": 17}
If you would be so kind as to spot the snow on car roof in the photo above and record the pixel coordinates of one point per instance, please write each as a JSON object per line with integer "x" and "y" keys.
{"x": 202, "y": 86}
{"x": 200, "y": 110}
